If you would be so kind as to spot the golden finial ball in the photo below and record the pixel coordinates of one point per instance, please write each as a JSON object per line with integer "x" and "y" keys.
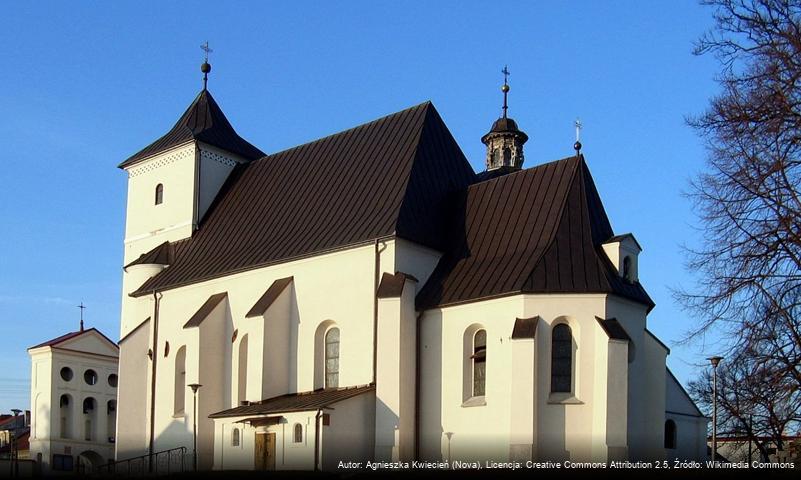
{"x": 205, "y": 68}
{"x": 505, "y": 88}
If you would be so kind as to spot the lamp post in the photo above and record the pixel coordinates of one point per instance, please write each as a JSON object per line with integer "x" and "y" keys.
{"x": 194, "y": 387}
{"x": 715, "y": 361}
{"x": 13, "y": 441}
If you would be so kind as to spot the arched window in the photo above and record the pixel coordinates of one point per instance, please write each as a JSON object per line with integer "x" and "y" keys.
{"x": 65, "y": 416}
{"x": 298, "y": 433}
{"x": 627, "y": 273}
{"x": 507, "y": 156}
{"x": 242, "y": 374}
{"x": 562, "y": 359}
{"x": 180, "y": 381}
{"x": 235, "y": 438}
{"x": 332, "y": 358}
{"x": 111, "y": 419}
{"x": 670, "y": 434}
{"x": 90, "y": 416}
{"x": 479, "y": 358}
{"x": 496, "y": 157}
{"x": 159, "y": 194}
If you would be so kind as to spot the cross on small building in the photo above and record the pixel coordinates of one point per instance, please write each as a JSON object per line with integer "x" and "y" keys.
{"x": 505, "y": 73}
{"x": 82, "y": 307}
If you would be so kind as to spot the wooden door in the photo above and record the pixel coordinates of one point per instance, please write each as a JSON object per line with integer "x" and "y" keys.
{"x": 265, "y": 451}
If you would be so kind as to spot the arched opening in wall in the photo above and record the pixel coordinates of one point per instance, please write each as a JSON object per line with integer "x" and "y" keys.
{"x": 562, "y": 359}
{"x": 507, "y": 156}
{"x": 496, "y": 157}
{"x": 235, "y": 437}
{"x": 65, "y": 416}
{"x": 297, "y": 436}
{"x": 320, "y": 337}
{"x": 111, "y": 420}
{"x": 479, "y": 363}
{"x": 89, "y": 418}
{"x": 332, "y": 358}
{"x": 159, "y": 194}
{"x": 627, "y": 273}
{"x": 242, "y": 370}
{"x": 179, "y": 387}
{"x": 670, "y": 434}
{"x": 474, "y": 364}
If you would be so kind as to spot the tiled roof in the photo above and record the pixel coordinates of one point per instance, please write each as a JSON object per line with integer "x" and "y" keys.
{"x": 203, "y": 121}
{"x": 296, "y": 402}
{"x": 538, "y": 230}
{"x": 391, "y": 176}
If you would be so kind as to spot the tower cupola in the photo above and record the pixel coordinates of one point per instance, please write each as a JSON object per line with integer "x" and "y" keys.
{"x": 505, "y": 140}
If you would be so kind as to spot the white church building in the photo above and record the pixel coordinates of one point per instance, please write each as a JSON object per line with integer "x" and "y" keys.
{"x": 73, "y": 401}
{"x": 368, "y": 296}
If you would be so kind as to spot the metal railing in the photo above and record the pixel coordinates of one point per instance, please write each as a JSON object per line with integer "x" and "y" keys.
{"x": 164, "y": 462}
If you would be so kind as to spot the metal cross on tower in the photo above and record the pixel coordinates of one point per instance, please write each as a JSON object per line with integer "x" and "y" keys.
{"x": 505, "y": 88}
{"x": 82, "y": 307}
{"x": 577, "y": 145}
{"x": 206, "y": 67}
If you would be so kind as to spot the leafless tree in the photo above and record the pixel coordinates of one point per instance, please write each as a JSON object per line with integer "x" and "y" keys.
{"x": 755, "y": 401}
{"x": 749, "y": 199}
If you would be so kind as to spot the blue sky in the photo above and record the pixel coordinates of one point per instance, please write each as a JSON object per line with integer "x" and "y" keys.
{"x": 86, "y": 84}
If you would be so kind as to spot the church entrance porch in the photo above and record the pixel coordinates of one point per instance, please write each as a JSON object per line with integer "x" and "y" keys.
{"x": 265, "y": 451}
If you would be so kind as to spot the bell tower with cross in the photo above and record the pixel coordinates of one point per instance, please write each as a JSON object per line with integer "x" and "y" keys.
{"x": 504, "y": 141}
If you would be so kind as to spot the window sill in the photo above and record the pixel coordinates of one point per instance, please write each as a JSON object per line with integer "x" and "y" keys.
{"x": 563, "y": 399}
{"x": 474, "y": 402}
{"x": 179, "y": 415}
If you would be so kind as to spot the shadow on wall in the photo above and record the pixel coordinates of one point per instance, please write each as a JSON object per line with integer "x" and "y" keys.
{"x": 385, "y": 438}
{"x": 431, "y": 433}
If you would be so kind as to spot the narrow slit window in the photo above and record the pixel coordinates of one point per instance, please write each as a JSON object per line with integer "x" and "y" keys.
{"x": 562, "y": 359}
{"x": 332, "y": 358}
{"x": 159, "y": 194}
{"x": 479, "y": 363}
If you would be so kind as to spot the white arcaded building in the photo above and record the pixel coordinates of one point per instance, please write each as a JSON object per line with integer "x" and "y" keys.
{"x": 368, "y": 296}
{"x": 73, "y": 401}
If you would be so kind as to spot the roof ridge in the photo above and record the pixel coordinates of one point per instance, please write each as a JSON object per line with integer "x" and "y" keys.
{"x": 425, "y": 104}
{"x": 533, "y": 168}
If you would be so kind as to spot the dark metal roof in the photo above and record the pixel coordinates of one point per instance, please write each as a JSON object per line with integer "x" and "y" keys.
{"x": 504, "y": 125}
{"x": 392, "y": 285}
{"x": 269, "y": 296}
{"x": 67, "y": 336}
{"x": 203, "y": 121}
{"x": 296, "y": 402}
{"x": 392, "y": 176}
{"x": 205, "y": 309}
{"x": 525, "y": 327}
{"x": 613, "y": 328}
{"x": 160, "y": 255}
{"x": 538, "y": 230}
{"x": 621, "y": 237}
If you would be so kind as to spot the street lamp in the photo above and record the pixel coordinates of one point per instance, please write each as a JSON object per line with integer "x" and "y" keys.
{"x": 194, "y": 387}
{"x": 13, "y": 440}
{"x": 715, "y": 361}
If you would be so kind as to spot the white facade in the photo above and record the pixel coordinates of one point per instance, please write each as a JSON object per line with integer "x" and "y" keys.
{"x": 474, "y": 381}
{"x": 73, "y": 401}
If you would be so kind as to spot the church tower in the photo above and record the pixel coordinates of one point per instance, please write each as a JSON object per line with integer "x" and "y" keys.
{"x": 504, "y": 141}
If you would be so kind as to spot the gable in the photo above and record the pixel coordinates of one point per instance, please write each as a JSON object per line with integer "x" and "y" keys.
{"x": 89, "y": 341}
{"x": 677, "y": 400}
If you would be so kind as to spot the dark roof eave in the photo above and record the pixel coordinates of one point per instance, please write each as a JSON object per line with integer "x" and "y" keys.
{"x": 147, "y": 290}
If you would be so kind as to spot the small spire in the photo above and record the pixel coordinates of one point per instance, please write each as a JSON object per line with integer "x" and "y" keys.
{"x": 205, "y": 67}
{"x": 82, "y": 307}
{"x": 505, "y": 88}
{"x": 577, "y": 145}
